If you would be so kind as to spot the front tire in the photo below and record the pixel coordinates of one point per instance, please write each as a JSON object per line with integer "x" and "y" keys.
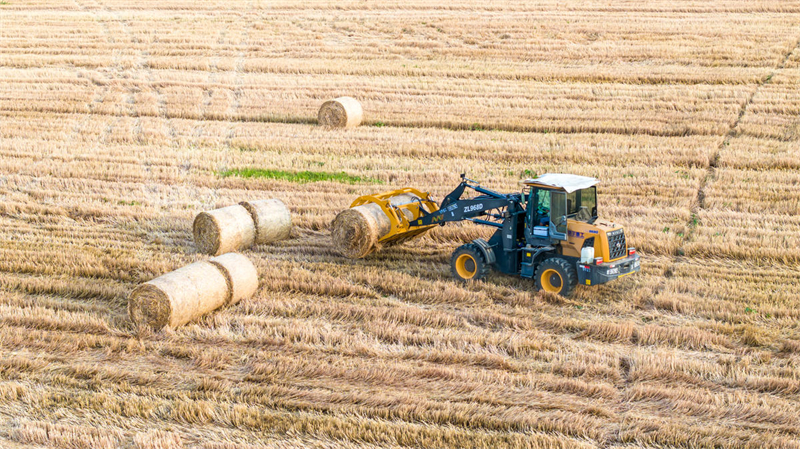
{"x": 468, "y": 263}
{"x": 556, "y": 275}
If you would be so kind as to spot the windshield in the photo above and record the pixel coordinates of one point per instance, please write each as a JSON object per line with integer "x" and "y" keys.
{"x": 543, "y": 201}
{"x": 579, "y": 199}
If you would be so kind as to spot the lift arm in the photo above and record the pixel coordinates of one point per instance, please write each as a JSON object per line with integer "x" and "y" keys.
{"x": 453, "y": 208}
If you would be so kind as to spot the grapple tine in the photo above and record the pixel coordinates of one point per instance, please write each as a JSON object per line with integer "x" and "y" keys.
{"x": 400, "y": 215}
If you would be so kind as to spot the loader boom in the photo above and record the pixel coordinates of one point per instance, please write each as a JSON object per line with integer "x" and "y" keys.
{"x": 454, "y": 208}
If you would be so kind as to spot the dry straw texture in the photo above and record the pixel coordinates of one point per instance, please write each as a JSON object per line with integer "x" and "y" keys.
{"x": 190, "y": 292}
{"x": 224, "y": 230}
{"x": 355, "y": 231}
{"x": 272, "y": 219}
{"x": 342, "y": 112}
{"x": 179, "y": 296}
{"x": 240, "y": 274}
{"x": 116, "y": 118}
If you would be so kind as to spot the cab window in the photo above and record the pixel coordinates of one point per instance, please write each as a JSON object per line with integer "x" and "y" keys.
{"x": 582, "y": 198}
{"x": 539, "y": 207}
{"x": 588, "y": 199}
{"x": 543, "y": 201}
{"x": 559, "y": 213}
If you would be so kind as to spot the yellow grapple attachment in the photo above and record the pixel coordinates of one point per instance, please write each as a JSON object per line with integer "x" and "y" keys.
{"x": 401, "y": 214}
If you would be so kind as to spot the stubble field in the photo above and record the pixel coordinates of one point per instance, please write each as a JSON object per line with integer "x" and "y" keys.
{"x": 119, "y": 120}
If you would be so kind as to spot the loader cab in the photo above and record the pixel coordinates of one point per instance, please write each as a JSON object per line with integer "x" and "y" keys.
{"x": 553, "y": 200}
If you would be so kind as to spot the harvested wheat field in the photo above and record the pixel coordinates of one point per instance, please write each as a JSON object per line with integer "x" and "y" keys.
{"x": 121, "y": 120}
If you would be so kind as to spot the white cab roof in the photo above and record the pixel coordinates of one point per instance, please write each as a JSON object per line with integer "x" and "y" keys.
{"x": 568, "y": 183}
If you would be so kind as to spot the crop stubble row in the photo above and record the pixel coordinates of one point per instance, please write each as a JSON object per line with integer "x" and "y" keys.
{"x": 700, "y": 349}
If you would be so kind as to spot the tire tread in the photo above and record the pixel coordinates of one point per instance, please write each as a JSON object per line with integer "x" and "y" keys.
{"x": 472, "y": 249}
{"x": 568, "y": 273}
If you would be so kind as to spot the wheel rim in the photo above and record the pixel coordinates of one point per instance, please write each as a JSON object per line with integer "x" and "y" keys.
{"x": 466, "y": 266}
{"x": 552, "y": 281}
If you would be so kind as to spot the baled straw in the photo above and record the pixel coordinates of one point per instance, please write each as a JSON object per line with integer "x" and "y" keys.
{"x": 272, "y": 219}
{"x": 342, "y": 112}
{"x": 223, "y": 230}
{"x": 179, "y": 296}
{"x": 187, "y": 293}
{"x": 355, "y": 232}
{"x": 240, "y": 274}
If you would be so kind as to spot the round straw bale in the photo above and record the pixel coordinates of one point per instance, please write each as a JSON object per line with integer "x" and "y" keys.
{"x": 240, "y": 274}
{"x": 179, "y": 296}
{"x": 342, "y": 112}
{"x": 223, "y": 230}
{"x": 355, "y": 231}
{"x": 272, "y": 219}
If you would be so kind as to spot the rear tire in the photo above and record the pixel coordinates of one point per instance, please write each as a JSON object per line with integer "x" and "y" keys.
{"x": 556, "y": 275}
{"x": 468, "y": 263}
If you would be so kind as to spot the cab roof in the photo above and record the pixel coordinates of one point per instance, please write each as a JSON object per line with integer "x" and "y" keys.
{"x": 560, "y": 181}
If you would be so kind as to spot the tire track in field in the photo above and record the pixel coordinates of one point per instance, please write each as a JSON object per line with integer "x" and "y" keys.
{"x": 712, "y": 167}
{"x": 117, "y": 67}
{"x": 142, "y": 65}
{"x": 213, "y": 79}
{"x": 238, "y": 69}
{"x": 732, "y": 133}
{"x": 104, "y": 85}
{"x": 162, "y": 109}
{"x": 622, "y": 408}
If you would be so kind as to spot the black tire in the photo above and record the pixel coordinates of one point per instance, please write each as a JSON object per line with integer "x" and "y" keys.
{"x": 556, "y": 275}
{"x": 468, "y": 263}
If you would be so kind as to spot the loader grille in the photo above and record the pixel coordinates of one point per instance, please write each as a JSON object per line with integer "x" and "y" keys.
{"x": 616, "y": 244}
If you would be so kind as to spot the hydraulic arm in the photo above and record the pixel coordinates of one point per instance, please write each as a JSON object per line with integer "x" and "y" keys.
{"x": 454, "y": 208}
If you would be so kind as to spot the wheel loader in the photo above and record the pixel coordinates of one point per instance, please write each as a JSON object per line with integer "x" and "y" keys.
{"x": 550, "y": 231}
